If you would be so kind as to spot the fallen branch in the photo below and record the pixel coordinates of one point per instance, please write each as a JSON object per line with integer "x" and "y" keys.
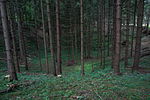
{"x": 12, "y": 87}
{"x": 9, "y": 89}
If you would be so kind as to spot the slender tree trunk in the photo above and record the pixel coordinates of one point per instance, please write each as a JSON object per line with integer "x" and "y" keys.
{"x": 75, "y": 38}
{"x": 85, "y": 37}
{"x": 71, "y": 30}
{"x": 100, "y": 31}
{"x": 82, "y": 41}
{"x": 108, "y": 34}
{"x": 44, "y": 35}
{"x": 19, "y": 31}
{"x": 37, "y": 38}
{"x": 140, "y": 14}
{"x": 118, "y": 34}
{"x": 21, "y": 37}
{"x": 127, "y": 35}
{"x": 38, "y": 50}
{"x": 104, "y": 33}
{"x": 15, "y": 55}
{"x": 134, "y": 22}
{"x": 114, "y": 33}
{"x": 10, "y": 64}
{"x": 72, "y": 43}
{"x": 58, "y": 67}
{"x": 52, "y": 67}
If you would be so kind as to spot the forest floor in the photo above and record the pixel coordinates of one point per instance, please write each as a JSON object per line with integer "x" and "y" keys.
{"x": 101, "y": 84}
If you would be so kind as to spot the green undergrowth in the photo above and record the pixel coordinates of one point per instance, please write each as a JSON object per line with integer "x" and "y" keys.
{"x": 101, "y": 84}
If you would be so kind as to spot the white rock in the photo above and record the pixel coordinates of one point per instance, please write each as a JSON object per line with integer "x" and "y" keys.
{"x": 58, "y": 75}
{"x": 7, "y": 76}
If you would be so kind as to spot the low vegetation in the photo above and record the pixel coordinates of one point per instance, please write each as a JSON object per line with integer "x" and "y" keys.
{"x": 101, "y": 84}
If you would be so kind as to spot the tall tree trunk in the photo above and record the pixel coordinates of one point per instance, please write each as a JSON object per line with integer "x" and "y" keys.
{"x": 44, "y": 35}
{"x": 118, "y": 34}
{"x": 75, "y": 38}
{"x": 21, "y": 37}
{"x": 114, "y": 33}
{"x": 72, "y": 31}
{"x": 52, "y": 67}
{"x": 104, "y": 32}
{"x": 133, "y": 29}
{"x": 108, "y": 34}
{"x": 15, "y": 54}
{"x": 99, "y": 25}
{"x": 127, "y": 35}
{"x": 82, "y": 41}
{"x": 140, "y": 14}
{"x": 10, "y": 64}
{"x": 58, "y": 67}
{"x": 37, "y": 37}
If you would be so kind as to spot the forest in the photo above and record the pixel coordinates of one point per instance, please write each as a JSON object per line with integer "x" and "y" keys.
{"x": 74, "y": 49}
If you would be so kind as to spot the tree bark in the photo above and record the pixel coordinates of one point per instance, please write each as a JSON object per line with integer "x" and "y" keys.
{"x": 99, "y": 25}
{"x": 44, "y": 35}
{"x": 118, "y": 34}
{"x": 104, "y": 32}
{"x": 140, "y": 15}
{"x": 15, "y": 54}
{"x": 37, "y": 37}
{"x": 82, "y": 41}
{"x": 52, "y": 67}
{"x": 133, "y": 29}
{"x": 127, "y": 35}
{"x": 10, "y": 64}
{"x": 114, "y": 33}
{"x": 21, "y": 37}
{"x": 109, "y": 19}
{"x": 58, "y": 67}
